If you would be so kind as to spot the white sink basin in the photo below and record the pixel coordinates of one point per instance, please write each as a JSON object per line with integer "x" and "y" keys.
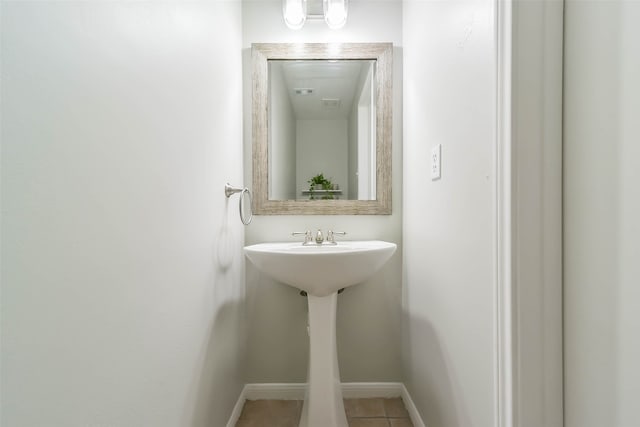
{"x": 320, "y": 270}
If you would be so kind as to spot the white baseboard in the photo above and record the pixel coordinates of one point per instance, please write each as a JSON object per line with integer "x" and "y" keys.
{"x": 237, "y": 409}
{"x": 276, "y": 391}
{"x": 295, "y": 391}
{"x": 416, "y": 419}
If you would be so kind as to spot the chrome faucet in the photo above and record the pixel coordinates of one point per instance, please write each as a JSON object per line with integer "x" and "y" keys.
{"x": 319, "y": 238}
{"x": 331, "y": 238}
{"x": 307, "y": 236}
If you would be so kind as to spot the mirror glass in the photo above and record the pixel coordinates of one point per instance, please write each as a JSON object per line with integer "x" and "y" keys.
{"x": 322, "y": 130}
{"x": 321, "y": 125}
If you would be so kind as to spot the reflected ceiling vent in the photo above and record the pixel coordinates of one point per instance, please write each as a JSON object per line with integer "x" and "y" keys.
{"x": 331, "y": 103}
{"x": 303, "y": 91}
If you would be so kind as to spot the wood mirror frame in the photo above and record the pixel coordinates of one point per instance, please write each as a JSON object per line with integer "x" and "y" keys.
{"x": 261, "y": 53}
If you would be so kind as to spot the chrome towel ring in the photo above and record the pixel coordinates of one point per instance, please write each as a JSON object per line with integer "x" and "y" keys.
{"x": 230, "y": 190}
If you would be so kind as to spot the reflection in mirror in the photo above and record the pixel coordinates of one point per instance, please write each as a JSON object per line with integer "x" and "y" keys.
{"x": 321, "y": 125}
{"x": 322, "y": 128}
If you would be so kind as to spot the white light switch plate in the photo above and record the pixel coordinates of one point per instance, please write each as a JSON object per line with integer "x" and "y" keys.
{"x": 436, "y": 162}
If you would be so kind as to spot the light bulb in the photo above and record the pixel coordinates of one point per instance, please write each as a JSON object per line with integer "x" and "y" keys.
{"x": 335, "y": 13}
{"x": 295, "y": 13}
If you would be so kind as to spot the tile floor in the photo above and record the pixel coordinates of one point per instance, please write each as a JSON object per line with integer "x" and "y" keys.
{"x": 376, "y": 412}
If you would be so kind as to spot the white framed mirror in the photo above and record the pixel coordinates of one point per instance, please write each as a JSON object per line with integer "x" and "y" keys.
{"x": 322, "y": 128}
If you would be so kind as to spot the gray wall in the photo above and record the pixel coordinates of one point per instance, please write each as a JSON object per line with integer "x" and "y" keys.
{"x": 602, "y": 207}
{"x": 535, "y": 191}
{"x": 122, "y": 270}
{"x": 368, "y": 314}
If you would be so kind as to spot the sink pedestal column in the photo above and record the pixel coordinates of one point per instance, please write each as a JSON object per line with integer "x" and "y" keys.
{"x": 323, "y": 405}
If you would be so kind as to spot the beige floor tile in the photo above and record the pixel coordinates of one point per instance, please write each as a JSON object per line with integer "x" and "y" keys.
{"x": 268, "y": 422}
{"x": 368, "y": 422}
{"x": 394, "y": 408}
{"x": 270, "y": 413}
{"x": 376, "y": 412}
{"x": 255, "y": 409}
{"x": 249, "y": 423}
{"x": 283, "y": 422}
{"x": 284, "y": 408}
{"x": 364, "y": 408}
{"x": 400, "y": 422}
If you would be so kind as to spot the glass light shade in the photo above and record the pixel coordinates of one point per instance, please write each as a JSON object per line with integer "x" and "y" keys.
{"x": 335, "y": 13}
{"x": 295, "y": 13}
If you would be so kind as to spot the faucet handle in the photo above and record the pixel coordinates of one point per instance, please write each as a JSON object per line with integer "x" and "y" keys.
{"x": 331, "y": 236}
{"x": 307, "y": 236}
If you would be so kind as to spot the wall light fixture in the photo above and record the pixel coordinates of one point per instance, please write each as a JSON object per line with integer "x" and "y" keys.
{"x": 334, "y": 13}
{"x": 295, "y": 13}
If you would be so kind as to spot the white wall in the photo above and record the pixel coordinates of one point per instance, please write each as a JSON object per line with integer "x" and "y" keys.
{"x": 322, "y": 147}
{"x": 368, "y": 314}
{"x": 363, "y": 89}
{"x": 122, "y": 278}
{"x": 448, "y": 300}
{"x": 282, "y": 138}
{"x": 602, "y": 207}
{"x": 352, "y": 154}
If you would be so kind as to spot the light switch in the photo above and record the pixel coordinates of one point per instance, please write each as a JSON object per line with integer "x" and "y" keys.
{"x": 436, "y": 162}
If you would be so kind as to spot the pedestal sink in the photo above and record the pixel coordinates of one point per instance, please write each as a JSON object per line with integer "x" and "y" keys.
{"x": 321, "y": 270}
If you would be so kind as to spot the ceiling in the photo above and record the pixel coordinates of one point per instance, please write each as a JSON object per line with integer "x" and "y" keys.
{"x": 323, "y": 89}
